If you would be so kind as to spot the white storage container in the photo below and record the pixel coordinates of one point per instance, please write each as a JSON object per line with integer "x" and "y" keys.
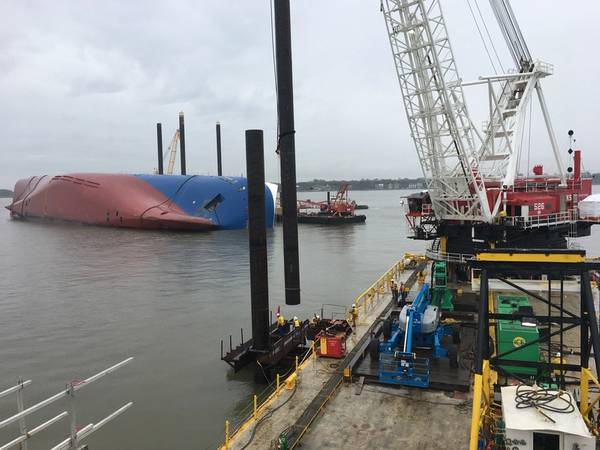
{"x": 589, "y": 207}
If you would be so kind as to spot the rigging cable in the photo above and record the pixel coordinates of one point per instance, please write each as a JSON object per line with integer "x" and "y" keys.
{"x": 266, "y": 416}
{"x": 529, "y": 146}
{"x": 520, "y": 149}
{"x": 542, "y": 399}
{"x": 487, "y": 32}
{"x": 274, "y": 60}
{"x": 482, "y": 38}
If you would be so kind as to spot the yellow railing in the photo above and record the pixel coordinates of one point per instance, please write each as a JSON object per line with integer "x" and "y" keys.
{"x": 257, "y": 408}
{"x": 585, "y": 406}
{"x": 483, "y": 397}
{"x": 366, "y": 301}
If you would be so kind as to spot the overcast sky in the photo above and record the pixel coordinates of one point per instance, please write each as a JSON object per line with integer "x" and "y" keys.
{"x": 83, "y": 83}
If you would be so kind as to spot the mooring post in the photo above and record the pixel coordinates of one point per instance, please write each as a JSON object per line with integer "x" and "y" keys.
{"x": 182, "y": 143}
{"x": 257, "y": 239}
{"x": 287, "y": 151}
{"x": 219, "y": 166}
{"x": 159, "y": 144}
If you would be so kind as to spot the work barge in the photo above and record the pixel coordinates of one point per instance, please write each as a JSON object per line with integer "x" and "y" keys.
{"x": 343, "y": 403}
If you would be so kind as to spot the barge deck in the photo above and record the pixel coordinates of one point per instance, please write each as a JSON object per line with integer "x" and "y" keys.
{"x": 321, "y": 383}
{"x": 330, "y": 403}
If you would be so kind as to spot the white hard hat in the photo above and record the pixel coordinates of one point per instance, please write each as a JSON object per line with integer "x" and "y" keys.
{"x": 295, "y": 318}
{"x": 353, "y": 305}
{"x": 277, "y": 314}
{"x": 318, "y": 316}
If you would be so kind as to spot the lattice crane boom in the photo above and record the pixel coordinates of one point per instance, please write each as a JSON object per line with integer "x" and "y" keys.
{"x": 436, "y": 109}
{"x": 172, "y": 152}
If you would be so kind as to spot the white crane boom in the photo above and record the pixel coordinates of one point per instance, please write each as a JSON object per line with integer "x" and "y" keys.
{"x": 435, "y": 106}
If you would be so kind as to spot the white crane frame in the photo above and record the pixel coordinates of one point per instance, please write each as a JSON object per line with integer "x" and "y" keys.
{"x": 455, "y": 166}
{"x": 436, "y": 109}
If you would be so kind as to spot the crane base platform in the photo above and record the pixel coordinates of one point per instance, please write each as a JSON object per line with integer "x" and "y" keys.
{"x": 442, "y": 377}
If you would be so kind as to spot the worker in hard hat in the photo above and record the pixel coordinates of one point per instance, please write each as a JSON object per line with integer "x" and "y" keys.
{"x": 404, "y": 290}
{"x": 296, "y": 323}
{"x": 394, "y": 290}
{"x": 315, "y": 320}
{"x": 281, "y": 324}
{"x": 354, "y": 313}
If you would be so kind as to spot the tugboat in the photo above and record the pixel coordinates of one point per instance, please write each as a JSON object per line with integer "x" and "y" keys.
{"x": 336, "y": 211}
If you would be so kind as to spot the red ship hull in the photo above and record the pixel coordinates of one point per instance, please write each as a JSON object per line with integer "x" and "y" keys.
{"x": 101, "y": 199}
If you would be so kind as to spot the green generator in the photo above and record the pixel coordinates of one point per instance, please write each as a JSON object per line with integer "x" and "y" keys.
{"x": 441, "y": 296}
{"x": 512, "y": 334}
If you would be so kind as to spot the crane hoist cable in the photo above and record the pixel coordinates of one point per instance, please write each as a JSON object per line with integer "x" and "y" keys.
{"x": 482, "y": 38}
{"x": 487, "y": 32}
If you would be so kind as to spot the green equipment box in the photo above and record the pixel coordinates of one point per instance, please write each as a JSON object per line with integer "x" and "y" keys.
{"x": 512, "y": 334}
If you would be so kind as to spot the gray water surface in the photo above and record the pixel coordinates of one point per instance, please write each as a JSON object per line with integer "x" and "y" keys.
{"x": 77, "y": 299}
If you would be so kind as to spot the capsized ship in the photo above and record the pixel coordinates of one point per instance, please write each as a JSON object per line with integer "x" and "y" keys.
{"x": 173, "y": 202}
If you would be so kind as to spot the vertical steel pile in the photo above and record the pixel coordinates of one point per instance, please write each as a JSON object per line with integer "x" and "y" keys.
{"x": 182, "y": 142}
{"x": 160, "y": 147}
{"x": 219, "y": 165}
{"x": 257, "y": 237}
{"x": 287, "y": 156}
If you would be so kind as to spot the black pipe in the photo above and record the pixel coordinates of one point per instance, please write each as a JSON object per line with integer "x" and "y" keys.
{"x": 287, "y": 151}
{"x": 593, "y": 323}
{"x": 584, "y": 331}
{"x": 219, "y": 166}
{"x": 328, "y": 198}
{"x": 257, "y": 239}
{"x": 182, "y": 142}
{"x": 482, "y": 335}
{"x": 160, "y": 148}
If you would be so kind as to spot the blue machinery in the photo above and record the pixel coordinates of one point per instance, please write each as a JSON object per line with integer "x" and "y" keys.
{"x": 417, "y": 326}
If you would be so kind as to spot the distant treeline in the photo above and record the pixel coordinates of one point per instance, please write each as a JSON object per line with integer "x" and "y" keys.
{"x": 5, "y": 193}
{"x": 363, "y": 184}
{"x": 367, "y": 184}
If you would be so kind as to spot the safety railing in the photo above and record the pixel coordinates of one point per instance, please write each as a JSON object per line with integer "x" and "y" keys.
{"x": 367, "y": 300}
{"x": 542, "y": 220}
{"x": 436, "y": 255}
{"x": 77, "y": 434}
{"x": 585, "y": 405}
{"x": 261, "y": 402}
